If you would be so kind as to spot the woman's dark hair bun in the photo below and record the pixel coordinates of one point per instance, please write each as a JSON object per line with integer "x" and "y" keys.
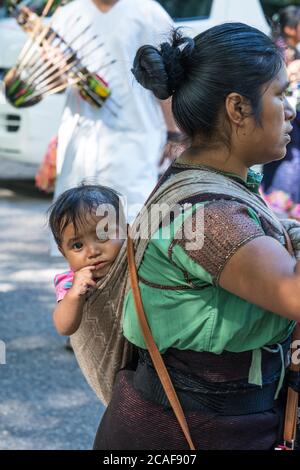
{"x": 163, "y": 69}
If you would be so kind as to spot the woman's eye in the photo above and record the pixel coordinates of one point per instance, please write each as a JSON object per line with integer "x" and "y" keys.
{"x": 77, "y": 246}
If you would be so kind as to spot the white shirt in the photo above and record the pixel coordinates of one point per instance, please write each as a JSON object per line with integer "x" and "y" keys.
{"x": 120, "y": 149}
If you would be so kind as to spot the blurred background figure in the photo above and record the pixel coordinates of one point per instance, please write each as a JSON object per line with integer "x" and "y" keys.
{"x": 282, "y": 178}
{"x": 286, "y": 32}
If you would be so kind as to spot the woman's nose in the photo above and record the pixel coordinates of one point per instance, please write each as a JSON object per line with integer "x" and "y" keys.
{"x": 290, "y": 111}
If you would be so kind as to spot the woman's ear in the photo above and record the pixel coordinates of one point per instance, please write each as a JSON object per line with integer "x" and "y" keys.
{"x": 237, "y": 108}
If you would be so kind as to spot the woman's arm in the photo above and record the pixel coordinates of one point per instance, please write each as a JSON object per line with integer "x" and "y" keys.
{"x": 166, "y": 106}
{"x": 174, "y": 146}
{"x": 263, "y": 273}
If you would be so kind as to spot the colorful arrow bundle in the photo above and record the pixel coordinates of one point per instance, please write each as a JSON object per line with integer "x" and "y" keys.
{"x": 48, "y": 63}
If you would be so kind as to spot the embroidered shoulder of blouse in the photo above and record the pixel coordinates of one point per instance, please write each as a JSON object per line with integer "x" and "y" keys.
{"x": 226, "y": 226}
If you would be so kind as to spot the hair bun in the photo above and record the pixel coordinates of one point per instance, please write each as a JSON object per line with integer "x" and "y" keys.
{"x": 163, "y": 70}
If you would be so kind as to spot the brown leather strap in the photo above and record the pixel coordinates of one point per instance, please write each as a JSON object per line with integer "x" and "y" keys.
{"x": 290, "y": 422}
{"x": 152, "y": 348}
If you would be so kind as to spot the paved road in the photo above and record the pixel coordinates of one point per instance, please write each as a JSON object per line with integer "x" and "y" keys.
{"x": 45, "y": 402}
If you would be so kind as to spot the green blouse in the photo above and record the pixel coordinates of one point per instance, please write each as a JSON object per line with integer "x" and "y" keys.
{"x": 185, "y": 306}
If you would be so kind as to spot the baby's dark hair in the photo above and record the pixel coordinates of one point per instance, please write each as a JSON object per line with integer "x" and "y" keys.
{"x": 76, "y": 204}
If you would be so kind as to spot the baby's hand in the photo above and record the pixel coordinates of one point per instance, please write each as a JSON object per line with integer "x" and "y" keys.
{"x": 83, "y": 281}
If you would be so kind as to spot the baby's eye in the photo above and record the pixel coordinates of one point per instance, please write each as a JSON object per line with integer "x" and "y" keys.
{"x": 77, "y": 246}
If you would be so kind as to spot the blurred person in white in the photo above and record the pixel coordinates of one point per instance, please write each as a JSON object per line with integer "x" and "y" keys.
{"x": 120, "y": 149}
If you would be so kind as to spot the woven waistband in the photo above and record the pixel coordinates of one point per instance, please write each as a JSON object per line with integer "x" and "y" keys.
{"x": 224, "y": 398}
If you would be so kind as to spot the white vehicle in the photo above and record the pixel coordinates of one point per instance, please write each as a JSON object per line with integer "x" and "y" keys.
{"x": 25, "y": 133}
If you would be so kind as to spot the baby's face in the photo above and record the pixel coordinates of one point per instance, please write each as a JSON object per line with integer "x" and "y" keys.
{"x": 84, "y": 247}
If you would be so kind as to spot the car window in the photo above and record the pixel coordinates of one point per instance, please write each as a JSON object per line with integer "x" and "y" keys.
{"x": 187, "y": 9}
{"x": 273, "y": 6}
